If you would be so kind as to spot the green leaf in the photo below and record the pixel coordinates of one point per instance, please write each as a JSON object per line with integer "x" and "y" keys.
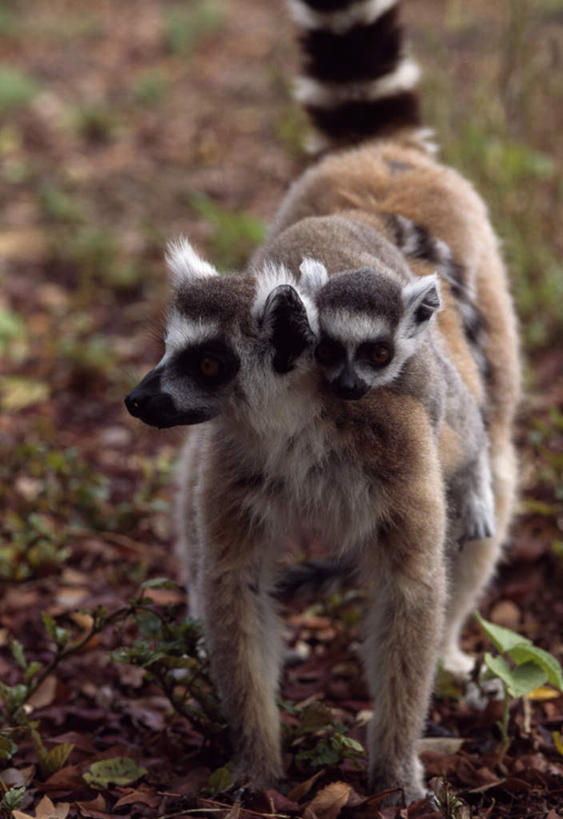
{"x": 50, "y": 625}
{"x": 12, "y": 799}
{"x": 220, "y": 780}
{"x": 530, "y": 653}
{"x": 7, "y": 747}
{"x": 502, "y": 638}
{"x": 350, "y": 744}
{"x": 323, "y": 753}
{"x": 159, "y": 583}
{"x": 55, "y": 759}
{"x": 31, "y": 671}
{"x": 119, "y": 770}
{"x": 518, "y": 681}
{"x": 17, "y": 653}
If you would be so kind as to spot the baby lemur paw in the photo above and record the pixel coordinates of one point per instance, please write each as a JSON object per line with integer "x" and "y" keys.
{"x": 478, "y": 516}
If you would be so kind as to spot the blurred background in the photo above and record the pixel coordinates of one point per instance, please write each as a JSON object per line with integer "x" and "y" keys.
{"x": 123, "y": 124}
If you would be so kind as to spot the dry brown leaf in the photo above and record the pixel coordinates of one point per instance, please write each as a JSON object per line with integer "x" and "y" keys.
{"x": 329, "y": 801}
{"x": 17, "y": 777}
{"x": 299, "y": 792}
{"x": 45, "y": 694}
{"x": 45, "y": 810}
{"x": 144, "y": 793}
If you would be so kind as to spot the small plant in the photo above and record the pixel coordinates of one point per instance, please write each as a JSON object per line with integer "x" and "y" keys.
{"x": 185, "y": 26}
{"x": 318, "y": 740}
{"x": 16, "y": 89}
{"x": 149, "y": 88}
{"x": 95, "y": 122}
{"x": 520, "y": 666}
{"x": 172, "y": 656}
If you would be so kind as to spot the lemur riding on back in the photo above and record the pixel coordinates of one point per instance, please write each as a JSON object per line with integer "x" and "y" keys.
{"x": 276, "y": 359}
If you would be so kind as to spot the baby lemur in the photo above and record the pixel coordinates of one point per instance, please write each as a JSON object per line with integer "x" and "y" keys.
{"x": 340, "y": 399}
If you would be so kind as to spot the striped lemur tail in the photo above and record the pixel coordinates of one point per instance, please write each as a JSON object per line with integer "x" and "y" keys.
{"x": 358, "y": 82}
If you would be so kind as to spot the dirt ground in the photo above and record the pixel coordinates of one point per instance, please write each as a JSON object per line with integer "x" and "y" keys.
{"x": 123, "y": 125}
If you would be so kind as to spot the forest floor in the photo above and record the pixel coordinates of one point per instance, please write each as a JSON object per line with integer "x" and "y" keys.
{"x": 123, "y": 125}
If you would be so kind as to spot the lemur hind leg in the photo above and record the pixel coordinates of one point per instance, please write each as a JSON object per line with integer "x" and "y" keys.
{"x": 472, "y": 566}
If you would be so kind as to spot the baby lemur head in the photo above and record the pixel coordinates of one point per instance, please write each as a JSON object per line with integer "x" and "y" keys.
{"x": 370, "y": 324}
{"x": 231, "y": 342}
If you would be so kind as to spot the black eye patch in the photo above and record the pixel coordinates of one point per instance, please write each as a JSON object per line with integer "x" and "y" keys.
{"x": 329, "y": 352}
{"x": 377, "y": 353}
{"x": 211, "y": 364}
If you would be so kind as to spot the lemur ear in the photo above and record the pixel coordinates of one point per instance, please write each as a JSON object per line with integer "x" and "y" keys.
{"x": 285, "y": 322}
{"x": 421, "y": 299}
{"x": 313, "y": 276}
{"x": 184, "y": 263}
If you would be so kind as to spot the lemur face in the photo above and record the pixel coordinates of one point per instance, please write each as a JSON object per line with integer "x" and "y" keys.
{"x": 369, "y": 325}
{"x": 230, "y": 341}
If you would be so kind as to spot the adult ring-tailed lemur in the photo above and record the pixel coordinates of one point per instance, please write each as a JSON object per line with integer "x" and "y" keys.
{"x": 358, "y": 381}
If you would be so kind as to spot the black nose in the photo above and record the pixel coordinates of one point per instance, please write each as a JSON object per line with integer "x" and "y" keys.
{"x": 135, "y": 403}
{"x": 349, "y": 386}
{"x": 152, "y": 408}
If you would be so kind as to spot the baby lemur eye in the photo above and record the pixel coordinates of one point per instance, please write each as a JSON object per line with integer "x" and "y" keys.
{"x": 379, "y": 353}
{"x": 209, "y": 366}
{"x": 329, "y": 352}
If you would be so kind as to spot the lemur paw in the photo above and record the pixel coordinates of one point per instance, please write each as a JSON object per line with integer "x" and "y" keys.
{"x": 478, "y": 516}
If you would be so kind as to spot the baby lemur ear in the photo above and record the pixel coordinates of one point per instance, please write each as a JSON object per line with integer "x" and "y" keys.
{"x": 421, "y": 299}
{"x": 185, "y": 264}
{"x": 286, "y": 324}
{"x": 313, "y": 276}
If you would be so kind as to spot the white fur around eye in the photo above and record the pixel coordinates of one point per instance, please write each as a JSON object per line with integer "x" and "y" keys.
{"x": 353, "y": 328}
{"x": 181, "y": 331}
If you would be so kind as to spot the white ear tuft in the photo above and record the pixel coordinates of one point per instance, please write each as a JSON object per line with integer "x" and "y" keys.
{"x": 184, "y": 263}
{"x": 313, "y": 276}
{"x": 421, "y": 300}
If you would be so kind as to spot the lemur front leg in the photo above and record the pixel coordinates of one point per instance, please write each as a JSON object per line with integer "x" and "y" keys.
{"x": 403, "y": 633}
{"x": 244, "y": 644}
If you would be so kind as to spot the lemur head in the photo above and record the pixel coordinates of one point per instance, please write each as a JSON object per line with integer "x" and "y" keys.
{"x": 370, "y": 324}
{"x": 230, "y": 342}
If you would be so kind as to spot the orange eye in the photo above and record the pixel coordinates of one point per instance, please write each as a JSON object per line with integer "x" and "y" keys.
{"x": 380, "y": 354}
{"x": 209, "y": 366}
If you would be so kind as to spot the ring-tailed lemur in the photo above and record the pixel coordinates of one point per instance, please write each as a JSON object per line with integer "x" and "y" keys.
{"x": 373, "y": 478}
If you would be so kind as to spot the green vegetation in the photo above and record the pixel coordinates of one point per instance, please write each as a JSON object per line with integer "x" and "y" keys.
{"x": 96, "y": 122}
{"x": 187, "y": 26}
{"x": 499, "y": 131}
{"x": 235, "y": 235}
{"x": 149, "y": 88}
{"x": 170, "y": 655}
{"x": 520, "y": 666}
{"x": 16, "y": 89}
